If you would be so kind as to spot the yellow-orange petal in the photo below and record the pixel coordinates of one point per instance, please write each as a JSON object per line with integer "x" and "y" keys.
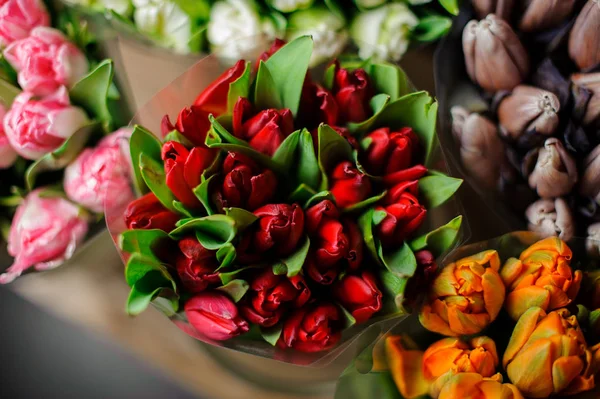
{"x": 494, "y": 293}
{"x": 558, "y": 297}
{"x": 488, "y": 344}
{"x": 439, "y": 358}
{"x": 434, "y": 323}
{"x": 549, "y": 244}
{"x": 489, "y": 258}
{"x": 531, "y": 368}
{"x": 575, "y": 285}
{"x": 511, "y": 271}
{"x": 495, "y": 390}
{"x": 525, "y": 327}
{"x": 519, "y": 301}
{"x": 467, "y": 323}
{"x": 564, "y": 371}
{"x": 445, "y": 284}
{"x": 406, "y": 368}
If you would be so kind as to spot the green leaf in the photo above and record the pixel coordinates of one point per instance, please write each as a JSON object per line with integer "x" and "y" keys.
{"x": 222, "y": 133}
{"x": 288, "y": 68}
{"x": 61, "y": 157}
{"x": 202, "y": 192}
{"x": 146, "y": 290}
{"x": 142, "y": 141}
{"x": 349, "y": 320}
{"x": 301, "y": 194}
{"x": 401, "y": 261}
{"x": 417, "y": 110}
{"x": 355, "y": 385}
{"x": 154, "y": 176}
{"x": 285, "y": 156}
{"x": 307, "y": 166}
{"x": 366, "y": 223}
{"x": 91, "y": 92}
{"x": 226, "y": 256}
{"x": 378, "y": 104}
{"x": 266, "y": 94}
{"x": 450, "y": 5}
{"x": 226, "y": 278}
{"x": 235, "y": 289}
{"x": 271, "y": 334}
{"x": 243, "y": 219}
{"x": 239, "y": 88}
{"x": 315, "y": 199}
{"x": 138, "y": 265}
{"x": 333, "y": 149}
{"x": 179, "y": 207}
{"x": 431, "y": 28}
{"x": 393, "y": 287}
{"x": 213, "y": 232}
{"x": 293, "y": 263}
{"x": 179, "y": 138}
{"x": 439, "y": 240}
{"x": 8, "y": 93}
{"x": 329, "y": 77}
{"x": 390, "y": 79}
{"x": 366, "y": 203}
{"x": 435, "y": 190}
{"x": 144, "y": 242}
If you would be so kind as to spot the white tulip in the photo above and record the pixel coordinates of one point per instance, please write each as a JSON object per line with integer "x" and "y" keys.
{"x": 290, "y": 5}
{"x": 165, "y": 20}
{"x": 384, "y": 33}
{"x": 326, "y": 28}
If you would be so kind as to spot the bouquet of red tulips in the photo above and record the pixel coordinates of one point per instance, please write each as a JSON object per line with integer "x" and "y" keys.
{"x": 283, "y": 209}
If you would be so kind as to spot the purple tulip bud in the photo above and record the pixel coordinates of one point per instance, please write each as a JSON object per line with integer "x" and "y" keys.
{"x": 545, "y": 14}
{"x": 590, "y": 179}
{"x": 551, "y": 218}
{"x": 591, "y": 83}
{"x": 555, "y": 172}
{"x": 584, "y": 42}
{"x": 502, "y": 8}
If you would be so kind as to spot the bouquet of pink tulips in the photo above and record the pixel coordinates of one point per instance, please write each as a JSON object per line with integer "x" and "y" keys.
{"x": 55, "y": 99}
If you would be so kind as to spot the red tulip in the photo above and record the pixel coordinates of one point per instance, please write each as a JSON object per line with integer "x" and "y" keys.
{"x": 192, "y": 123}
{"x": 196, "y": 266}
{"x": 353, "y": 93}
{"x": 280, "y": 227}
{"x": 327, "y": 233}
{"x": 359, "y": 294}
{"x": 270, "y": 296}
{"x": 423, "y": 278}
{"x": 313, "y": 328}
{"x": 213, "y": 99}
{"x": 320, "y": 274}
{"x": 404, "y": 214}
{"x": 245, "y": 185}
{"x": 390, "y": 152}
{"x": 215, "y": 316}
{"x": 264, "y": 131}
{"x": 148, "y": 213}
{"x": 184, "y": 170}
{"x": 317, "y": 106}
{"x": 348, "y": 185}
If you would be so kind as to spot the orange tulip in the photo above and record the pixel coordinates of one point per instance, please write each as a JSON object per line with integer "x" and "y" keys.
{"x": 465, "y": 297}
{"x": 547, "y": 354}
{"x": 475, "y": 386}
{"x": 541, "y": 277}
{"x": 405, "y": 365}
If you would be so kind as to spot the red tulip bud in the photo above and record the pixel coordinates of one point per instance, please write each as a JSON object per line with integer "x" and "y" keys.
{"x": 280, "y": 227}
{"x": 196, "y": 266}
{"x": 270, "y": 296}
{"x": 264, "y": 131}
{"x": 317, "y": 105}
{"x": 348, "y": 185}
{"x": 215, "y": 316}
{"x": 192, "y": 123}
{"x": 404, "y": 214}
{"x": 213, "y": 99}
{"x": 312, "y": 328}
{"x": 246, "y": 185}
{"x": 390, "y": 152}
{"x": 353, "y": 93}
{"x": 360, "y": 295}
{"x": 148, "y": 213}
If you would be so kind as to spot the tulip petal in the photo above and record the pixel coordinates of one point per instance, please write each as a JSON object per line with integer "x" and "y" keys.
{"x": 494, "y": 292}
{"x": 406, "y": 368}
{"x": 511, "y": 271}
{"x": 531, "y": 369}
{"x": 445, "y": 284}
{"x": 518, "y": 302}
{"x": 564, "y": 371}
{"x": 558, "y": 298}
{"x": 433, "y": 322}
{"x": 524, "y": 328}
{"x": 552, "y": 244}
{"x": 465, "y": 323}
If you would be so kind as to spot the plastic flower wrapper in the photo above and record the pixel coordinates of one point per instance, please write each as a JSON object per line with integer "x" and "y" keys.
{"x": 282, "y": 214}
{"x": 547, "y": 351}
{"x": 526, "y": 140}
{"x": 49, "y": 115}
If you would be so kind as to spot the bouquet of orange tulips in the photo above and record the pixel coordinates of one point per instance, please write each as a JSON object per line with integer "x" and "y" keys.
{"x": 506, "y": 319}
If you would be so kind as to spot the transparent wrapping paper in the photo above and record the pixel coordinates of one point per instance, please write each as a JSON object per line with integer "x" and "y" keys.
{"x": 169, "y": 101}
{"x": 369, "y": 375}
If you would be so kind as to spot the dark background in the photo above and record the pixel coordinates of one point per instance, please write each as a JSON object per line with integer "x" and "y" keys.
{"x": 44, "y": 357}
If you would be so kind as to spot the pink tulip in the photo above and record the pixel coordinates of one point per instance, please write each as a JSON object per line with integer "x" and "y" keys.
{"x": 35, "y": 127}
{"x": 8, "y": 156}
{"x": 45, "y": 61}
{"x": 19, "y": 17}
{"x": 45, "y": 232}
{"x": 99, "y": 178}
{"x": 214, "y": 315}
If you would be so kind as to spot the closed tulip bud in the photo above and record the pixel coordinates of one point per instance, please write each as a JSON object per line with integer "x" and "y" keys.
{"x": 360, "y": 295}
{"x": 280, "y": 227}
{"x": 465, "y": 297}
{"x": 548, "y": 355}
{"x": 214, "y": 99}
{"x": 196, "y": 266}
{"x": 312, "y": 328}
{"x": 592, "y": 242}
{"x": 528, "y": 109}
{"x": 192, "y": 123}
{"x": 481, "y": 149}
{"x": 541, "y": 277}
{"x": 502, "y": 8}
{"x": 545, "y": 14}
{"x": 348, "y": 185}
{"x": 551, "y": 217}
{"x": 584, "y": 42}
{"x": 591, "y": 82}
{"x": 491, "y": 46}
{"x": 404, "y": 214}
{"x": 353, "y": 92}
{"x": 148, "y": 213}
{"x": 555, "y": 172}
{"x": 472, "y": 385}
{"x": 590, "y": 180}
{"x": 215, "y": 316}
